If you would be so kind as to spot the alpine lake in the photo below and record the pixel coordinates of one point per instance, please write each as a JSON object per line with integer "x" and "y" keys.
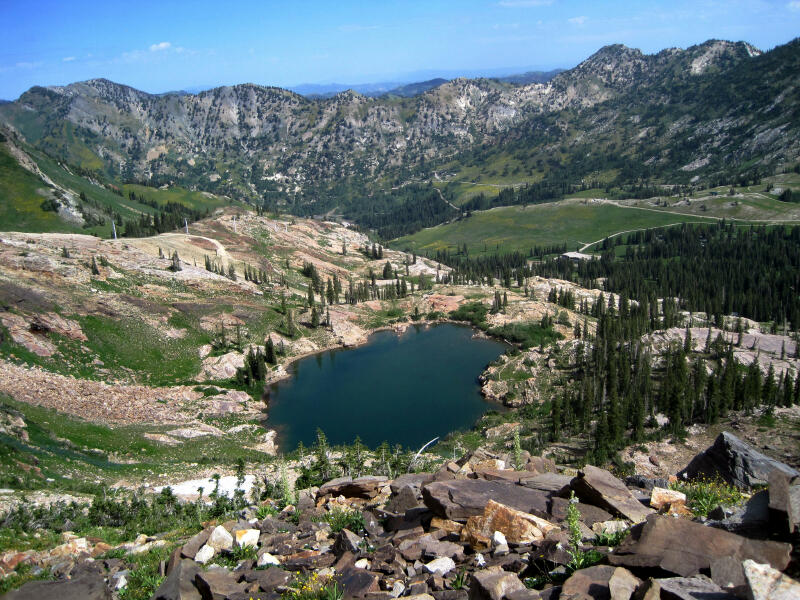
{"x": 403, "y": 388}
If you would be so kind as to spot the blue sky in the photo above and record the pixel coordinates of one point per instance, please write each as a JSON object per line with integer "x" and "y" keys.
{"x": 166, "y": 45}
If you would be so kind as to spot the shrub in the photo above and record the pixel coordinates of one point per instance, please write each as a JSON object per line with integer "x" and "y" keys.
{"x": 528, "y": 334}
{"x": 472, "y": 312}
{"x": 704, "y": 495}
{"x": 340, "y": 518}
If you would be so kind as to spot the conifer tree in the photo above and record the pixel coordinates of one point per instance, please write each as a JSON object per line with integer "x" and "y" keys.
{"x": 314, "y": 317}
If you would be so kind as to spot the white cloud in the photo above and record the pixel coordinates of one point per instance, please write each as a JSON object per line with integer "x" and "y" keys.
{"x": 499, "y": 26}
{"x": 577, "y": 20}
{"x": 68, "y": 59}
{"x": 28, "y": 65}
{"x": 524, "y": 3}
{"x": 160, "y": 46}
{"x": 794, "y": 5}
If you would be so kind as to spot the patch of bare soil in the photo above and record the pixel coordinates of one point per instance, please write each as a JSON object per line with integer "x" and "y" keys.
{"x": 779, "y": 441}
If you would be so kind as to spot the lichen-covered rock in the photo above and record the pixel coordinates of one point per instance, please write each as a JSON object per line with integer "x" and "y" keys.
{"x": 518, "y": 527}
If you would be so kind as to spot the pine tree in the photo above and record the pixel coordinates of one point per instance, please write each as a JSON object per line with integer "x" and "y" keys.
{"x": 269, "y": 354}
{"x": 314, "y": 317}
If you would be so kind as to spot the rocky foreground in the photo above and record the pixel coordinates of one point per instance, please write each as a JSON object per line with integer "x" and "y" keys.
{"x": 479, "y": 530}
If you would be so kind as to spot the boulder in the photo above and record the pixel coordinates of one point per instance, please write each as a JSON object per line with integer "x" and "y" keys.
{"x": 623, "y": 584}
{"x": 218, "y": 584}
{"x": 728, "y": 573}
{"x": 750, "y": 520}
{"x": 692, "y": 588}
{"x": 357, "y": 583}
{"x": 554, "y": 483}
{"x": 784, "y": 498}
{"x": 268, "y": 579}
{"x": 179, "y": 584}
{"x": 405, "y": 499}
{"x": 540, "y": 464}
{"x": 309, "y": 559}
{"x": 589, "y": 514}
{"x": 600, "y": 488}
{"x": 661, "y": 498}
{"x": 363, "y": 487}
{"x": 220, "y": 539}
{"x": 685, "y": 548}
{"x": 266, "y": 559}
{"x": 460, "y": 499}
{"x": 446, "y": 525}
{"x": 493, "y": 584}
{"x": 190, "y": 548}
{"x": 346, "y": 541}
{"x": 413, "y": 480}
{"x": 594, "y": 582}
{"x": 442, "y": 565}
{"x": 247, "y": 537}
{"x": 205, "y": 554}
{"x": 735, "y": 462}
{"x": 766, "y": 583}
{"x": 88, "y": 586}
{"x": 518, "y": 527}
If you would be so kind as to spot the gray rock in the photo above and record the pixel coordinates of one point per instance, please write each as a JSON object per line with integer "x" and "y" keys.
{"x": 766, "y": 583}
{"x": 493, "y": 584}
{"x": 589, "y": 583}
{"x": 646, "y": 483}
{"x": 405, "y": 499}
{"x": 751, "y": 520}
{"x": 346, "y": 541}
{"x": 413, "y": 480}
{"x": 460, "y": 499}
{"x": 220, "y": 539}
{"x": 600, "y": 488}
{"x": 179, "y": 584}
{"x": 525, "y": 594}
{"x": 89, "y": 586}
{"x": 692, "y": 588}
{"x": 784, "y": 498}
{"x": 363, "y": 487}
{"x": 735, "y": 462}
{"x": 589, "y": 514}
{"x": 217, "y": 584}
{"x": 554, "y": 483}
{"x": 268, "y": 579}
{"x": 190, "y": 548}
{"x": 357, "y": 583}
{"x": 685, "y": 548}
{"x": 728, "y": 573}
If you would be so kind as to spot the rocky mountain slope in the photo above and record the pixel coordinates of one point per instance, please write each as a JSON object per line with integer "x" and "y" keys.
{"x": 707, "y": 109}
{"x": 476, "y": 528}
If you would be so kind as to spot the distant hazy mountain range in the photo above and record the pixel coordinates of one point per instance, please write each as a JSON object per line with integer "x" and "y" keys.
{"x": 407, "y": 89}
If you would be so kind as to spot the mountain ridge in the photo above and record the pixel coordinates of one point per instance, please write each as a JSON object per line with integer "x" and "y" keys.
{"x": 259, "y": 142}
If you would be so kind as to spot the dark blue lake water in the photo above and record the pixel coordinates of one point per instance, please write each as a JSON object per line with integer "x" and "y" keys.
{"x": 405, "y": 389}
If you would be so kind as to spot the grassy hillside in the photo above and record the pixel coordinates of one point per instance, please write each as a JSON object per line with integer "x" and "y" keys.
{"x": 21, "y": 196}
{"x": 517, "y": 228}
